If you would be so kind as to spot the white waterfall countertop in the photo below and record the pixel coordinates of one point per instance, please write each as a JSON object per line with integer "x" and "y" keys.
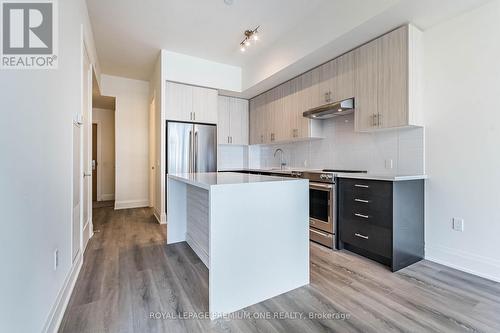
{"x": 208, "y": 179}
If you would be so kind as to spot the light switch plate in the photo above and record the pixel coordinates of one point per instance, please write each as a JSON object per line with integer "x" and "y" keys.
{"x": 458, "y": 224}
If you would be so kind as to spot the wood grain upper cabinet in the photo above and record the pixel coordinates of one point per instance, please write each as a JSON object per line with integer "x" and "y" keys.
{"x": 365, "y": 90}
{"x": 232, "y": 121}
{"x": 387, "y": 89}
{"x": 189, "y": 103}
{"x": 342, "y": 82}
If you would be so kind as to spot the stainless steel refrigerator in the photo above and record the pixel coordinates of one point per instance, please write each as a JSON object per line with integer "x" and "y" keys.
{"x": 191, "y": 147}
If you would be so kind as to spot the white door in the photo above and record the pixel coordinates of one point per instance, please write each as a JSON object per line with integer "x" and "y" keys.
{"x": 87, "y": 147}
{"x": 77, "y": 194}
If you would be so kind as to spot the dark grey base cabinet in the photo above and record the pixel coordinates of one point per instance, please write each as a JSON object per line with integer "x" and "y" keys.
{"x": 382, "y": 220}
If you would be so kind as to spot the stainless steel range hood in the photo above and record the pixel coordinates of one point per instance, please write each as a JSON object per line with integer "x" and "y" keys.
{"x": 331, "y": 110}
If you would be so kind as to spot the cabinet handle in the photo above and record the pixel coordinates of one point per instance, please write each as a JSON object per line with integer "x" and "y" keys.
{"x": 375, "y": 121}
{"x": 362, "y": 186}
{"x": 228, "y": 139}
{"x": 361, "y": 200}
{"x": 231, "y": 138}
{"x": 379, "y": 117}
{"x": 272, "y": 137}
{"x": 361, "y": 236}
{"x": 194, "y": 115}
{"x": 361, "y": 215}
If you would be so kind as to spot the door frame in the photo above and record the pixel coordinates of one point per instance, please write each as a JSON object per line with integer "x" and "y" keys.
{"x": 77, "y": 121}
{"x": 99, "y": 158}
{"x": 87, "y": 126}
{"x": 152, "y": 150}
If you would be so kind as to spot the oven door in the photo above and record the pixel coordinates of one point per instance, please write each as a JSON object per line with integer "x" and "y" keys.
{"x": 321, "y": 206}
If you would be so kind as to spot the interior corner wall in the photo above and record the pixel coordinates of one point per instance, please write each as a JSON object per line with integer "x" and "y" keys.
{"x": 156, "y": 92}
{"x": 461, "y": 84}
{"x": 131, "y": 140}
{"x": 37, "y": 108}
{"x": 105, "y": 152}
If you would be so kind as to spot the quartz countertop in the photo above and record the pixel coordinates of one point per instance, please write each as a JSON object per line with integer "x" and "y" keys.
{"x": 381, "y": 177}
{"x": 208, "y": 179}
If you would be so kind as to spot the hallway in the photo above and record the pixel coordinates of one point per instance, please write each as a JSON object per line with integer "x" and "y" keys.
{"x": 129, "y": 273}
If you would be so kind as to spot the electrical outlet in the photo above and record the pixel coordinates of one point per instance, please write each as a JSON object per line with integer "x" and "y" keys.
{"x": 389, "y": 164}
{"x": 458, "y": 224}
{"x": 56, "y": 259}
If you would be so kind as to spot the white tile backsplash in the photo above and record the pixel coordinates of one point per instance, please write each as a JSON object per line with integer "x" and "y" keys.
{"x": 233, "y": 157}
{"x": 343, "y": 148}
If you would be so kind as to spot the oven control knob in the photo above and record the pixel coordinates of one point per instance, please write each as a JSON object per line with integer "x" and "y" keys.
{"x": 330, "y": 177}
{"x": 323, "y": 177}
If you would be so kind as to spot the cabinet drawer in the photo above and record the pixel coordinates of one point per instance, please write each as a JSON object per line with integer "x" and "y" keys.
{"x": 374, "y": 210}
{"x": 367, "y": 236}
{"x": 366, "y": 188}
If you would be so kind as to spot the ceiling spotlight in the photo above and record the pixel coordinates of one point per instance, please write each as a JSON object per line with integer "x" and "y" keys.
{"x": 249, "y": 35}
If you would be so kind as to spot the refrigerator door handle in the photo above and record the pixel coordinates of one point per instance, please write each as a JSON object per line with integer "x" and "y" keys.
{"x": 196, "y": 151}
{"x": 190, "y": 162}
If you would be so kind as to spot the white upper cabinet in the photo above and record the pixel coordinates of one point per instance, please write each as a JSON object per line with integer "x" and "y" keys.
{"x": 190, "y": 103}
{"x": 387, "y": 81}
{"x": 233, "y": 121}
{"x": 179, "y": 102}
{"x": 205, "y": 105}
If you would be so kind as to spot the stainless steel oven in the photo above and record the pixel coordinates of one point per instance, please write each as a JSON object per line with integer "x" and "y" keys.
{"x": 322, "y": 219}
{"x": 323, "y": 205}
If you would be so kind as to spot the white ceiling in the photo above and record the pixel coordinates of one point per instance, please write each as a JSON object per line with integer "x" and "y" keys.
{"x": 296, "y": 35}
{"x": 129, "y": 33}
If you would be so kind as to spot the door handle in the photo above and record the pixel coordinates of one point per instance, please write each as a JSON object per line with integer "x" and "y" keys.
{"x": 85, "y": 174}
{"x": 361, "y": 200}
{"x": 361, "y": 215}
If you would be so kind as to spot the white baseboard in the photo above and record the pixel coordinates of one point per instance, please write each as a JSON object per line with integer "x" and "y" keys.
{"x": 57, "y": 312}
{"x": 161, "y": 218}
{"x": 126, "y": 204}
{"x": 107, "y": 197}
{"x": 488, "y": 268}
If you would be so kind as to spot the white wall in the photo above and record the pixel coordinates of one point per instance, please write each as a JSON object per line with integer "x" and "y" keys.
{"x": 131, "y": 139}
{"x": 462, "y": 84}
{"x": 343, "y": 148}
{"x": 106, "y": 152}
{"x": 36, "y": 132}
{"x": 200, "y": 72}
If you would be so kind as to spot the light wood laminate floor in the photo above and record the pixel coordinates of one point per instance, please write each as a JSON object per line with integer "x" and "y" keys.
{"x": 129, "y": 273}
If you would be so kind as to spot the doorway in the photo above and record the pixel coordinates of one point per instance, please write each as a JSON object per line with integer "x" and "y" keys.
{"x": 103, "y": 151}
{"x": 94, "y": 162}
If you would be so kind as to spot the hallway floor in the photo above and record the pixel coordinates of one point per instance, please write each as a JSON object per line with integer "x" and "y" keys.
{"x": 131, "y": 281}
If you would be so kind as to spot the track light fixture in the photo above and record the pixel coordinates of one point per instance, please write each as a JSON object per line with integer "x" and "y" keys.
{"x": 250, "y": 35}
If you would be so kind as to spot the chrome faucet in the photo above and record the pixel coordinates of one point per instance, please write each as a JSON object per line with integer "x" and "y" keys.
{"x": 279, "y": 150}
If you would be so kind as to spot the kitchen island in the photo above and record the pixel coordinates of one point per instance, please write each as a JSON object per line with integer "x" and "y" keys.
{"x": 251, "y": 231}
